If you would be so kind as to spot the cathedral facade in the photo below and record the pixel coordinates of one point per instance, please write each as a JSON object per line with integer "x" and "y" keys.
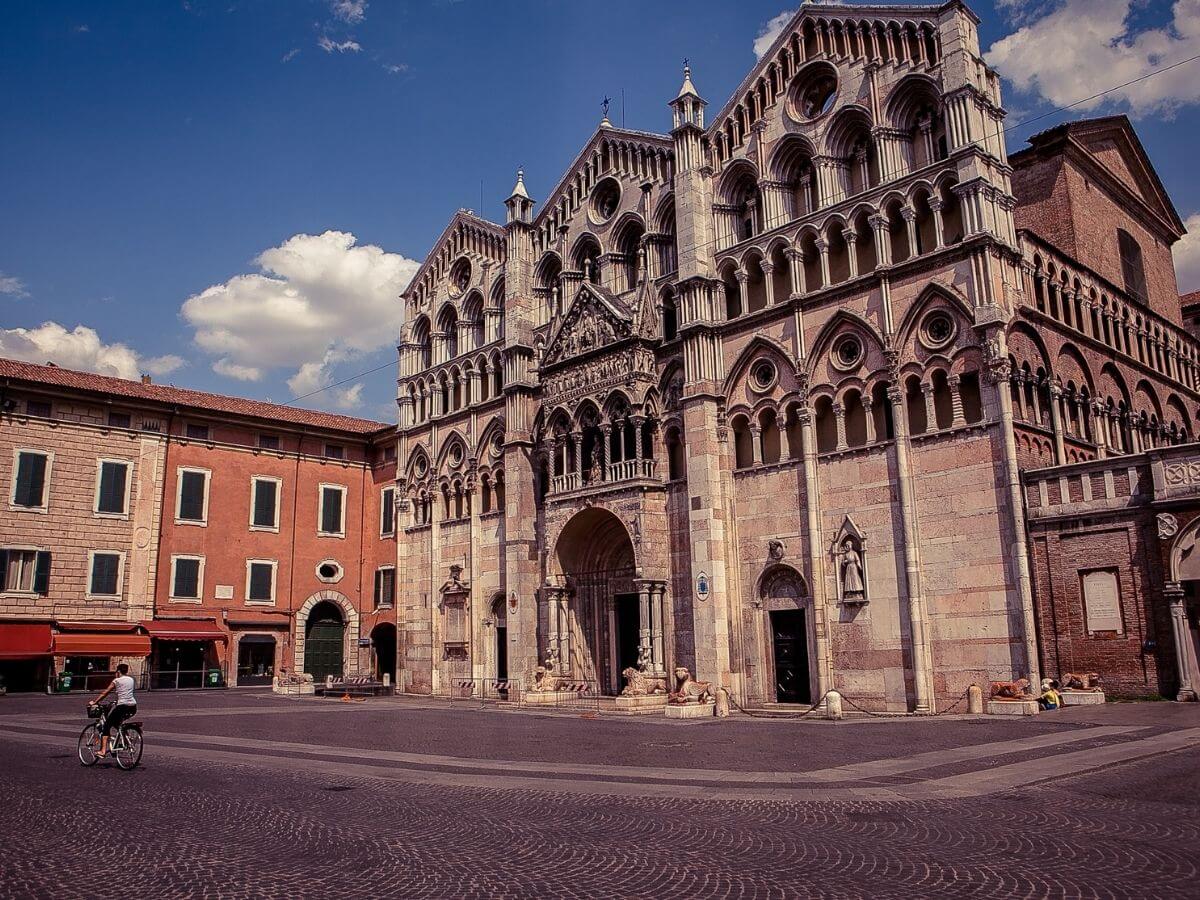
{"x": 738, "y": 397}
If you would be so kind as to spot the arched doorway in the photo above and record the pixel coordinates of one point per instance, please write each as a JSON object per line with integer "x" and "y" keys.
{"x": 789, "y": 644}
{"x": 500, "y": 650}
{"x": 596, "y": 627}
{"x": 324, "y": 641}
{"x": 383, "y": 646}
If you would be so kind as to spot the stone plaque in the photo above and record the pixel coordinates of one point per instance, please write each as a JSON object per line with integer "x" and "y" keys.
{"x": 1102, "y": 601}
{"x": 223, "y": 592}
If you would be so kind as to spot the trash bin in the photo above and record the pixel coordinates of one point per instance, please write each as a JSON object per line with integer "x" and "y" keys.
{"x": 64, "y": 683}
{"x": 214, "y": 677}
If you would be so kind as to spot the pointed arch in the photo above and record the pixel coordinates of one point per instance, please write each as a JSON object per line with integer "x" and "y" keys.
{"x": 932, "y": 295}
{"x": 840, "y": 320}
{"x": 757, "y": 346}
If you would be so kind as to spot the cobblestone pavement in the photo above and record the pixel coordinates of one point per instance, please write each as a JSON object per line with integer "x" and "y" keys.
{"x": 233, "y": 801}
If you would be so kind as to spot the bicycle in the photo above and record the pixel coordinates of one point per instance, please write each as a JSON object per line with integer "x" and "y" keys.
{"x": 125, "y": 744}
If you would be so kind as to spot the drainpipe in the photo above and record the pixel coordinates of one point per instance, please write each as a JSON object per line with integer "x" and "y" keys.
{"x": 162, "y": 520}
{"x": 296, "y": 669}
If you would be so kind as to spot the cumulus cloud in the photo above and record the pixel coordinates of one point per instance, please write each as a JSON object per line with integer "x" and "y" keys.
{"x": 329, "y": 45}
{"x": 771, "y": 30}
{"x": 352, "y": 12}
{"x": 81, "y": 349}
{"x": 13, "y": 286}
{"x": 1187, "y": 256}
{"x": 319, "y": 300}
{"x": 1069, "y": 49}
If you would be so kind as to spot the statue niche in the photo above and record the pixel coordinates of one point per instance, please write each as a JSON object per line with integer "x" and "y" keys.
{"x": 454, "y": 593}
{"x": 850, "y": 565}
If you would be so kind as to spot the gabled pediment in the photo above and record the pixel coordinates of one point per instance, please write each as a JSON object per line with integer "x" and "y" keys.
{"x": 595, "y": 318}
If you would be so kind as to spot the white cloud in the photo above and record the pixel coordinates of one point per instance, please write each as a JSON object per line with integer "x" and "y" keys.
{"x": 1187, "y": 256}
{"x": 1071, "y": 49}
{"x": 81, "y": 349}
{"x": 352, "y": 12}
{"x": 395, "y": 69}
{"x": 233, "y": 370}
{"x": 319, "y": 300}
{"x": 13, "y": 286}
{"x": 290, "y": 55}
{"x": 329, "y": 45}
{"x": 771, "y": 30}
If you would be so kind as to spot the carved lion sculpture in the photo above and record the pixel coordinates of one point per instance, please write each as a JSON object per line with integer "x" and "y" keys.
{"x": 689, "y": 691}
{"x": 543, "y": 681}
{"x": 1081, "y": 681}
{"x": 1011, "y": 690}
{"x": 639, "y": 684}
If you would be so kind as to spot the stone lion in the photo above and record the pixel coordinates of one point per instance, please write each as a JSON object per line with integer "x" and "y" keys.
{"x": 1011, "y": 690}
{"x": 542, "y": 681}
{"x": 689, "y": 691}
{"x": 639, "y": 684}
{"x": 1081, "y": 681}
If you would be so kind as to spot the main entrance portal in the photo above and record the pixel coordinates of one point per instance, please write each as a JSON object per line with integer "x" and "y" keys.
{"x": 324, "y": 642}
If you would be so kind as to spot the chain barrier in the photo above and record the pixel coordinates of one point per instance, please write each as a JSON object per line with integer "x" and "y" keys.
{"x": 756, "y": 714}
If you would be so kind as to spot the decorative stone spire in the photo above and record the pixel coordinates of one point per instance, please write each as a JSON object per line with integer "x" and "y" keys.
{"x": 687, "y": 109}
{"x": 688, "y": 89}
{"x": 519, "y": 203}
{"x": 519, "y": 189}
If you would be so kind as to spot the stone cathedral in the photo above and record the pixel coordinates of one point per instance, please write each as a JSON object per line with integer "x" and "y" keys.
{"x": 755, "y": 396}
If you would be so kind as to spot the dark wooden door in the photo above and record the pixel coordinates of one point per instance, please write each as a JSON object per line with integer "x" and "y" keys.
{"x": 628, "y": 628}
{"x": 790, "y": 637}
{"x": 323, "y": 649}
{"x": 501, "y": 652}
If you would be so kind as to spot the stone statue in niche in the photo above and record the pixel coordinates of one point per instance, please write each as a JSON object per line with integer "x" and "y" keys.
{"x": 456, "y": 584}
{"x": 552, "y": 661}
{"x": 853, "y": 587}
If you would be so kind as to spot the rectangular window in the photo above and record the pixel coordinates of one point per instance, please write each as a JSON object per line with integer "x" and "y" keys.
{"x": 264, "y": 503}
{"x": 385, "y": 586}
{"x": 1133, "y": 271}
{"x": 32, "y": 468}
{"x": 331, "y": 518}
{"x": 25, "y": 571}
{"x": 187, "y": 577}
{"x": 260, "y": 581}
{"x": 335, "y": 451}
{"x": 389, "y": 453}
{"x": 105, "y": 578}
{"x": 112, "y": 487}
{"x": 192, "y": 503}
{"x": 387, "y": 511}
{"x": 119, "y": 420}
{"x": 197, "y": 432}
{"x": 40, "y": 408}
{"x": 268, "y": 442}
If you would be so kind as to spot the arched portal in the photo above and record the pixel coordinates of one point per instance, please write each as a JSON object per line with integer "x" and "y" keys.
{"x": 324, "y": 637}
{"x": 789, "y": 647}
{"x": 500, "y": 648}
{"x": 383, "y": 651}
{"x": 600, "y": 617}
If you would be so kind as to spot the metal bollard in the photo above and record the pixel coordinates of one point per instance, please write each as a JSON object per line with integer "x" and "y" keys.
{"x": 722, "y": 703}
{"x": 975, "y": 700}
{"x": 833, "y": 705}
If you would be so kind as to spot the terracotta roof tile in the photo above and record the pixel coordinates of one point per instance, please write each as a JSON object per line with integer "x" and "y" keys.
{"x": 56, "y": 376}
{"x": 1186, "y": 300}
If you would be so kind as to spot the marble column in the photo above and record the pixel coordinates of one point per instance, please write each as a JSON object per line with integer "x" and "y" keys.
{"x": 1185, "y": 658}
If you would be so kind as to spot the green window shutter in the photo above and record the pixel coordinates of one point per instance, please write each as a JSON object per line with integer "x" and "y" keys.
{"x": 264, "y": 504}
{"x": 104, "y": 574}
{"x": 331, "y": 511}
{"x": 260, "y": 581}
{"x": 31, "y": 480}
{"x": 187, "y": 578}
{"x": 3, "y": 569}
{"x": 41, "y": 573}
{"x": 112, "y": 487}
{"x": 191, "y": 496}
{"x": 388, "y": 511}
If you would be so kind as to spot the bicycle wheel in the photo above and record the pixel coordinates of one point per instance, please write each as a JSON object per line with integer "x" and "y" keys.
{"x": 130, "y": 752}
{"x": 89, "y": 743}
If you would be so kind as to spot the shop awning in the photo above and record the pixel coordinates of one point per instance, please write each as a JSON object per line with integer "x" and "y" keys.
{"x": 106, "y": 644}
{"x": 185, "y": 630}
{"x": 260, "y": 620}
{"x": 98, "y": 627}
{"x": 22, "y": 640}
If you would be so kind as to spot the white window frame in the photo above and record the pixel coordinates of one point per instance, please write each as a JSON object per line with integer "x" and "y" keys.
{"x": 12, "y": 493}
{"x": 199, "y": 598}
{"x": 23, "y": 548}
{"x": 207, "y": 473}
{"x": 254, "y": 479}
{"x": 341, "y": 533}
{"x": 375, "y": 604}
{"x": 274, "y": 564}
{"x": 120, "y": 555}
{"x": 128, "y": 464}
{"x": 382, "y": 504}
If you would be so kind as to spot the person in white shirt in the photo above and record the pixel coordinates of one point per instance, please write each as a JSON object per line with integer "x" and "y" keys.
{"x": 125, "y": 707}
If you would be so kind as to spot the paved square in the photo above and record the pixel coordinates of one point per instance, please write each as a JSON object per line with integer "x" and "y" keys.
{"x": 250, "y": 795}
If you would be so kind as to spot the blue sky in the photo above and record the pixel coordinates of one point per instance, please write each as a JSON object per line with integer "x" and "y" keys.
{"x": 230, "y": 194}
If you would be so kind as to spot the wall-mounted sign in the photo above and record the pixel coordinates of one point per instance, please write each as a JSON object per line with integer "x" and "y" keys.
{"x": 702, "y": 586}
{"x": 364, "y": 642}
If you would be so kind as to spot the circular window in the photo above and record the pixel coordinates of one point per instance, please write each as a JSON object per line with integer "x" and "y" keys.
{"x": 421, "y": 466}
{"x": 763, "y": 375}
{"x": 937, "y": 330}
{"x": 847, "y": 352}
{"x": 460, "y": 276}
{"x": 815, "y": 93}
{"x": 497, "y": 445}
{"x": 455, "y": 456}
{"x": 330, "y": 571}
{"x": 606, "y": 197}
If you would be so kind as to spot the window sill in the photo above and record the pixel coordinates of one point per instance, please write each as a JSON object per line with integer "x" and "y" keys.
{"x": 332, "y": 534}
{"x": 122, "y": 516}
{"x": 195, "y": 601}
{"x": 41, "y": 510}
{"x": 103, "y": 598}
{"x": 202, "y": 523}
{"x": 260, "y": 602}
{"x": 265, "y": 529}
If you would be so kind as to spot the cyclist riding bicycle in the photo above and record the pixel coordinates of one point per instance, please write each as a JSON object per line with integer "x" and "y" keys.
{"x": 125, "y": 707}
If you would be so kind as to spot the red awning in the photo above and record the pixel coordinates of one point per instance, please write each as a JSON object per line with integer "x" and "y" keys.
{"x": 185, "y": 630}
{"x": 259, "y": 620}
{"x": 24, "y": 640}
{"x": 110, "y": 644}
{"x": 98, "y": 627}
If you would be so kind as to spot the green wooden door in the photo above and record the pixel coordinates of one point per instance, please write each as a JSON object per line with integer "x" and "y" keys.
{"x": 324, "y": 648}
